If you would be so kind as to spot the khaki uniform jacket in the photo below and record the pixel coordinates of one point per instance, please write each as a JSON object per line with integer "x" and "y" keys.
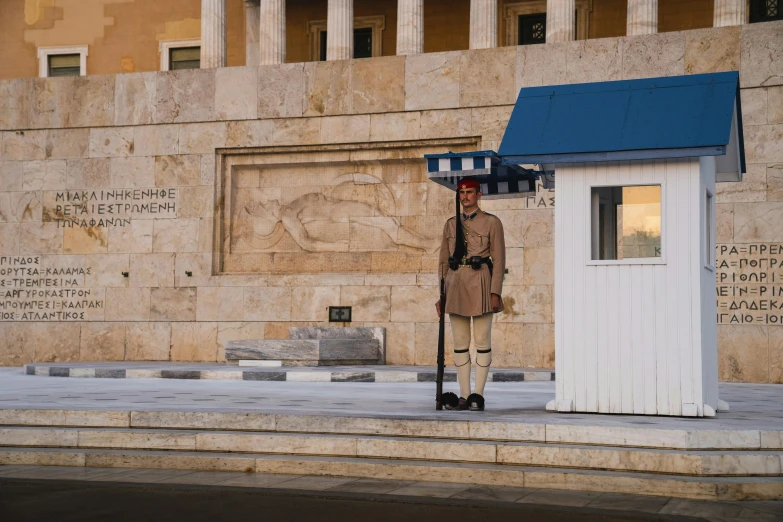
{"x": 468, "y": 291}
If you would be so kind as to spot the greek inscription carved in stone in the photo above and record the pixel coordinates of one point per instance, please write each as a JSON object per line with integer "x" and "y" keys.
{"x": 30, "y": 292}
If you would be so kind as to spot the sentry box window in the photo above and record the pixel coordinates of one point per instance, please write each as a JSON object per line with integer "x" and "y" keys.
{"x": 339, "y": 314}
{"x": 626, "y": 222}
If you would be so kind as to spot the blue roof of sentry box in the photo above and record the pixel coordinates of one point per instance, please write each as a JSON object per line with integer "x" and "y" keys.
{"x": 680, "y": 116}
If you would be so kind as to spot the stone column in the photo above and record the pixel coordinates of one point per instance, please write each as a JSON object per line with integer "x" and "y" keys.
{"x": 483, "y": 24}
{"x": 339, "y": 30}
{"x": 410, "y": 27}
{"x": 213, "y": 33}
{"x": 642, "y": 17}
{"x": 271, "y": 34}
{"x": 560, "y": 20}
{"x": 251, "y": 32}
{"x": 730, "y": 12}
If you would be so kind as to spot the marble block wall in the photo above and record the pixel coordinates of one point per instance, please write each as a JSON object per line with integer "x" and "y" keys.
{"x": 135, "y": 217}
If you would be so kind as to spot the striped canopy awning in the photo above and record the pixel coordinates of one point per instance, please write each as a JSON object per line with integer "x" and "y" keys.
{"x": 497, "y": 180}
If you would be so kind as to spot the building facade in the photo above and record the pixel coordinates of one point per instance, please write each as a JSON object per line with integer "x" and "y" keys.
{"x": 151, "y": 213}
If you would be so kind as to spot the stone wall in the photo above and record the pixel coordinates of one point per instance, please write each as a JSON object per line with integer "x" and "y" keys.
{"x": 116, "y": 198}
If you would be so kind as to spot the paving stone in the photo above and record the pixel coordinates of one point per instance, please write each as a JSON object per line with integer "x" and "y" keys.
{"x": 560, "y": 498}
{"x": 431, "y": 489}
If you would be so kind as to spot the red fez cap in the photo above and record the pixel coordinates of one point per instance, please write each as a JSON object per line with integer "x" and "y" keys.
{"x": 469, "y": 182}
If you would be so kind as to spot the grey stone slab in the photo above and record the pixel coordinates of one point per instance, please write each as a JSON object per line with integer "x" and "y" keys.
{"x": 39, "y": 472}
{"x": 263, "y": 376}
{"x": 432, "y": 376}
{"x": 558, "y": 497}
{"x": 353, "y": 377}
{"x": 508, "y": 377}
{"x": 645, "y": 503}
{"x": 207, "y": 478}
{"x": 314, "y": 483}
{"x": 58, "y": 371}
{"x": 29, "y": 369}
{"x": 109, "y": 373}
{"x": 372, "y": 486}
{"x": 317, "y": 332}
{"x": 180, "y": 374}
{"x": 681, "y": 506}
{"x": 273, "y": 349}
{"x": 260, "y": 480}
{"x": 152, "y": 475}
{"x": 494, "y": 493}
{"x": 431, "y": 489}
{"x": 349, "y": 349}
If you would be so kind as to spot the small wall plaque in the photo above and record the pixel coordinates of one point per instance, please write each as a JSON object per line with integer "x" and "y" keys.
{"x": 339, "y": 314}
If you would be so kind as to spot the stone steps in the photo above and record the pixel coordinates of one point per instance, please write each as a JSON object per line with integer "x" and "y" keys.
{"x": 552, "y": 455}
{"x": 369, "y": 373}
{"x": 453, "y": 426}
{"x": 706, "y": 488}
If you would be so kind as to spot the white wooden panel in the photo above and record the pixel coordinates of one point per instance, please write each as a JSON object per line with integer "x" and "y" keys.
{"x": 626, "y": 335}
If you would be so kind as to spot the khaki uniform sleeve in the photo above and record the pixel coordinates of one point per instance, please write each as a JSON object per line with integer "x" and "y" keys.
{"x": 443, "y": 256}
{"x": 497, "y": 250}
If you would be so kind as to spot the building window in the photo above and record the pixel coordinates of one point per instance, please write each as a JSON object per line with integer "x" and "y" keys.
{"x": 180, "y": 54}
{"x": 626, "y": 222}
{"x": 765, "y": 10}
{"x": 367, "y": 37}
{"x": 532, "y": 29}
{"x": 527, "y": 18}
{"x": 62, "y": 61}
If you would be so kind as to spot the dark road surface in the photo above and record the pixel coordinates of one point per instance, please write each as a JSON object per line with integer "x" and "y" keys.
{"x": 30, "y": 500}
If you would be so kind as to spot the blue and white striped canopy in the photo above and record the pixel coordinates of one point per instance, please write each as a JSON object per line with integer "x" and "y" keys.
{"x": 497, "y": 180}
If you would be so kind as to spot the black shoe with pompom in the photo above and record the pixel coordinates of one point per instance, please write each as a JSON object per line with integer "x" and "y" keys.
{"x": 475, "y": 402}
{"x": 449, "y": 400}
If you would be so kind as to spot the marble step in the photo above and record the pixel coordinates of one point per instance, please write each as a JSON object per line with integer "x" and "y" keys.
{"x": 677, "y": 462}
{"x": 705, "y": 488}
{"x": 196, "y": 371}
{"x": 316, "y": 352}
{"x": 438, "y": 426}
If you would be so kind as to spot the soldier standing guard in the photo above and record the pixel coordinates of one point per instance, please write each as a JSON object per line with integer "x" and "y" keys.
{"x": 473, "y": 261}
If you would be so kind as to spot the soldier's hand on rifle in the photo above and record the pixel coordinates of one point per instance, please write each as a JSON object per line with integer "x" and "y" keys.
{"x": 495, "y": 303}
{"x": 437, "y": 307}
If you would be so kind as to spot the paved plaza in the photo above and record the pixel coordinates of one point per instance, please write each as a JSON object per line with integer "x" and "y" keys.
{"x": 753, "y": 406}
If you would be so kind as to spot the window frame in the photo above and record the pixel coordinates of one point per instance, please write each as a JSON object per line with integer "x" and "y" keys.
{"x": 45, "y": 52}
{"x": 589, "y": 226}
{"x": 512, "y": 12}
{"x": 376, "y": 22}
{"x": 165, "y": 47}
